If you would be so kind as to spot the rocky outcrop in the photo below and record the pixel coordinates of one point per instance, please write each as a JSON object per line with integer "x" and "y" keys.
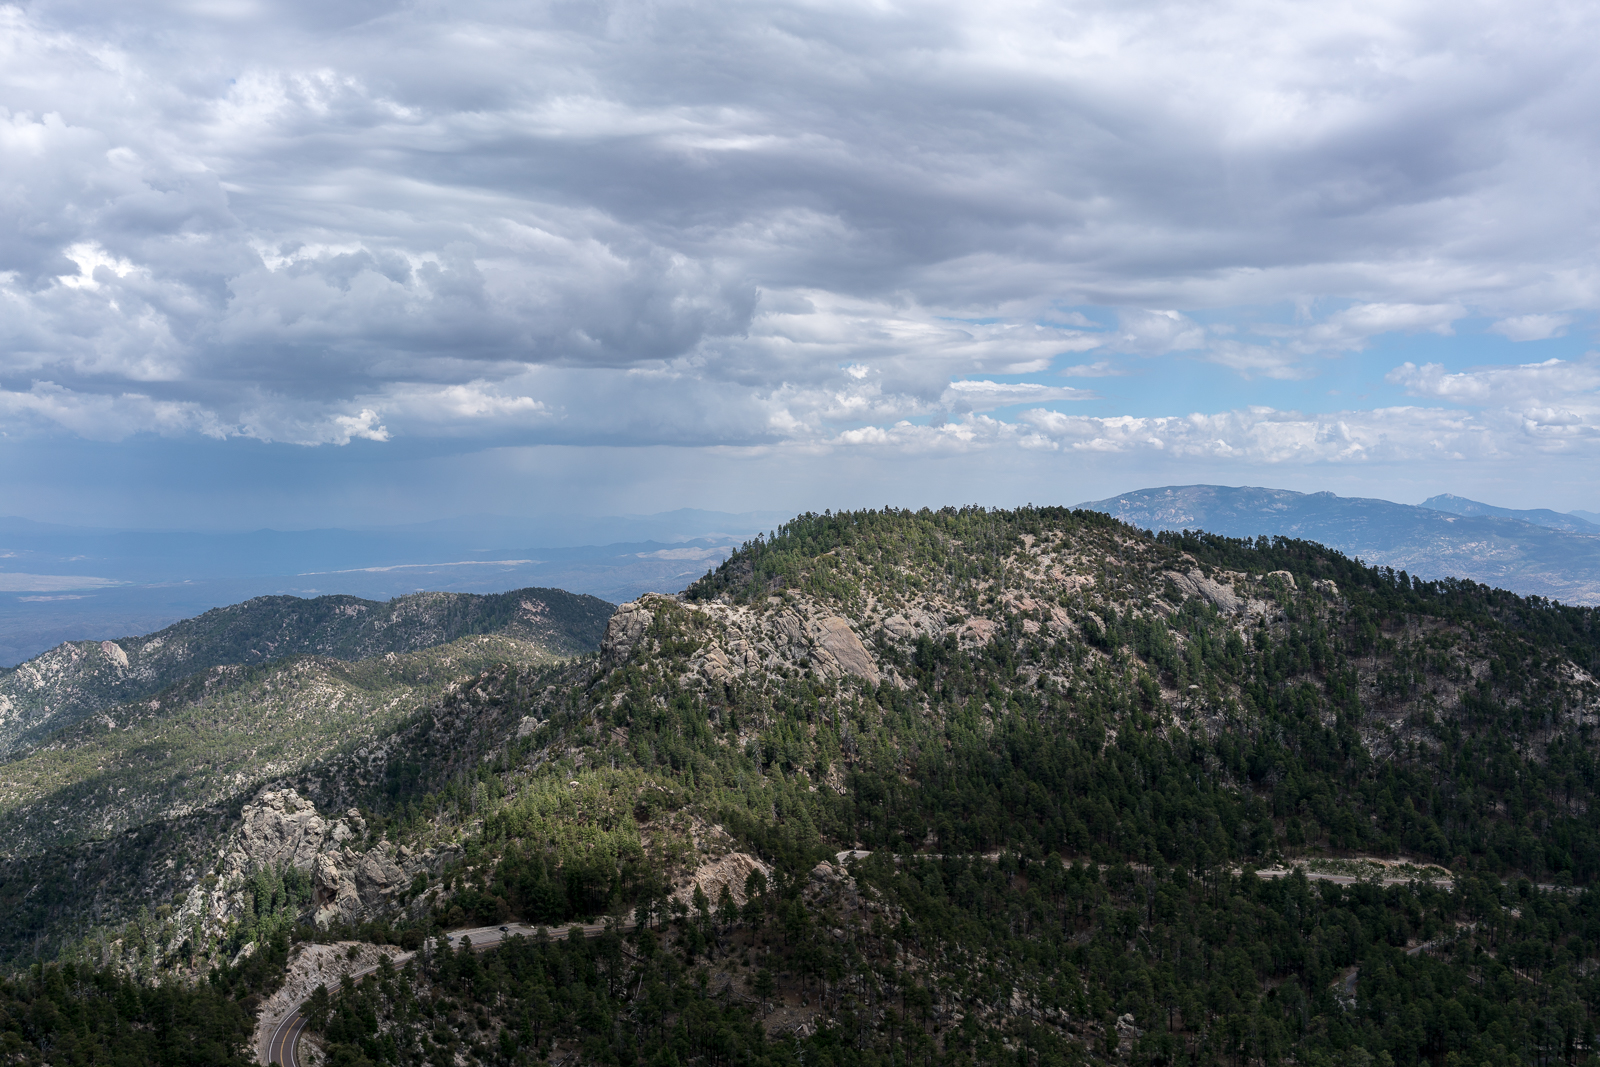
{"x": 1197, "y": 584}
{"x": 731, "y": 870}
{"x": 975, "y": 632}
{"x": 281, "y": 828}
{"x": 796, "y": 632}
{"x": 624, "y": 632}
{"x": 826, "y": 643}
{"x": 839, "y": 651}
{"x": 352, "y": 885}
{"x": 753, "y": 638}
{"x": 278, "y": 828}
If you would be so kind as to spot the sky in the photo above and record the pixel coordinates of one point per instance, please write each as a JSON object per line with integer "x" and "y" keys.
{"x": 304, "y": 264}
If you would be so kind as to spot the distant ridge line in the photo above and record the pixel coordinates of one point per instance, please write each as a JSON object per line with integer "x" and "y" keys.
{"x": 1558, "y": 558}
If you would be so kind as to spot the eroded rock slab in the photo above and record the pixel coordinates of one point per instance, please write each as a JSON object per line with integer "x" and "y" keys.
{"x": 1197, "y": 584}
{"x": 838, "y": 650}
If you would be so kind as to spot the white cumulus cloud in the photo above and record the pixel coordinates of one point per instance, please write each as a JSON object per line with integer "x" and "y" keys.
{"x": 1532, "y": 327}
{"x": 986, "y": 396}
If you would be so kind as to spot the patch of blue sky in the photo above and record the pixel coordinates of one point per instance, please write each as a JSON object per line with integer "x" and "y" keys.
{"x": 1474, "y": 344}
{"x": 1350, "y": 375}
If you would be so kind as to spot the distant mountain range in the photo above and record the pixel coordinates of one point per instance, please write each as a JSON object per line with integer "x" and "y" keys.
{"x": 1533, "y": 552}
{"x": 1555, "y": 520}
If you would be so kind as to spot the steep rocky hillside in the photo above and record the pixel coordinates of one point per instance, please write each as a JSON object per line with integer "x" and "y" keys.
{"x": 73, "y": 680}
{"x": 943, "y": 787}
{"x": 143, "y": 842}
{"x": 221, "y": 733}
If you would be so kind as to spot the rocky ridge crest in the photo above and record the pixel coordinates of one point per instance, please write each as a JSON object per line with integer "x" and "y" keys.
{"x": 1071, "y": 591}
{"x": 864, "y": 639}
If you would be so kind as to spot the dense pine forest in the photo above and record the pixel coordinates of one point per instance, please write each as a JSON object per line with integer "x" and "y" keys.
{"x": 1024, "y": 787}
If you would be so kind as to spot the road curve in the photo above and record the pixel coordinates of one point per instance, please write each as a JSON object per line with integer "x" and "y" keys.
{"x": 283, "y": 1043}
{"x": 285, "y": 1039}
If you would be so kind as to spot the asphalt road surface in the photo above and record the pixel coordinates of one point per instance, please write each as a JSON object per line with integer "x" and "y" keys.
{"x": 283, "y": 1044}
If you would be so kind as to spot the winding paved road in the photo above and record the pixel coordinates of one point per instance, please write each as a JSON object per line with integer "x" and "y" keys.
{"x": 282, "y": 1045}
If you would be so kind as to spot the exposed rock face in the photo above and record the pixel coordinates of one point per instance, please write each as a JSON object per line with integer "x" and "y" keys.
{"x": 1196, "y": 584}
{"x": 350, "y": 885}
{"x": 624, "y": 631}
{"x": 839, "y": 650}
{"x": 730, "y": 870}
{"x": 797, "y": 633}
{"x": 336, "y": 893}
{"x": 900, "y": 628}
{"x": 975, "y": 632}
{"x": 280, "y": 827}
{"x": 825, "y": 642}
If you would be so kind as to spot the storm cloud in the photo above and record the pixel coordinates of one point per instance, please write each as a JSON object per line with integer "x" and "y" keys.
{"x": 835, "y": 226}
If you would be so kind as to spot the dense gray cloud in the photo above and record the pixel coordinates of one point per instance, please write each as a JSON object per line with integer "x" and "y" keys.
{"x": 833, "y": 225}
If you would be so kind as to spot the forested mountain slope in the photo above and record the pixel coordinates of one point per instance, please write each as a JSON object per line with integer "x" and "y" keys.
{"x": 62, "y": 686}
{"x": 1315, "y": 692}
{"x": 955, "y": 787}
